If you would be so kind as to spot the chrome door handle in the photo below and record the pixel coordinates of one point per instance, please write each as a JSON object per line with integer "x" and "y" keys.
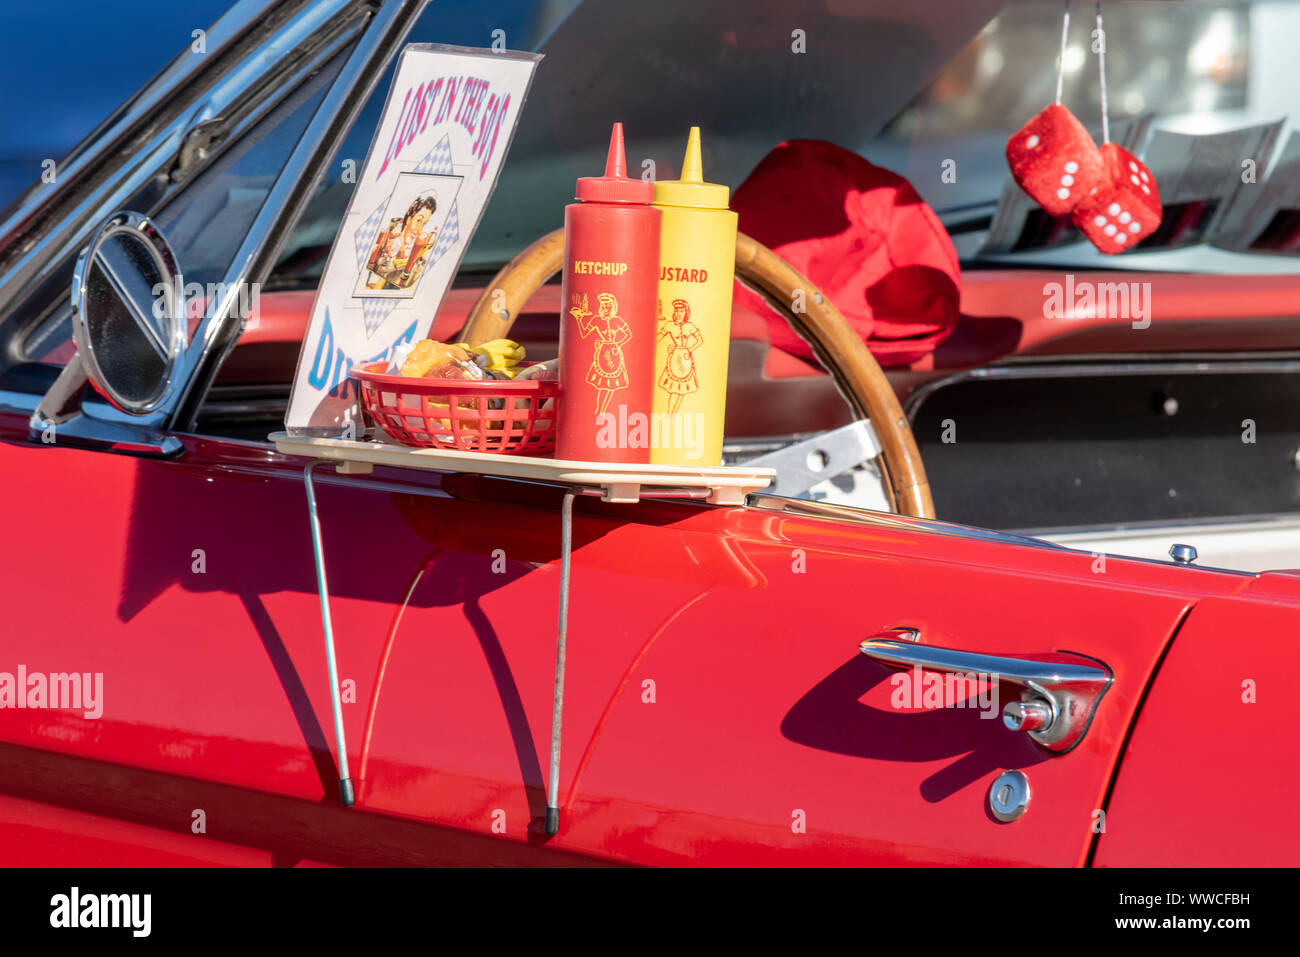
{"x": 1059, "y": 693}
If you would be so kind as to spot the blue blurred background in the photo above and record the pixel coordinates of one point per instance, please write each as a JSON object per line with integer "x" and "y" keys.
{"x": 939, "y": 87}
{"x": 63, "y": 73}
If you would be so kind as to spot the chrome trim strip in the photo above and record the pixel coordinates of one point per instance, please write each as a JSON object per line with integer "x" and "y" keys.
{"x": 861, "y": 516}
{"x": 135, "y": 435}
{"x": 289, "y": 196}
{"x": 84, "y": 432}
{"x": 249, "y": 409}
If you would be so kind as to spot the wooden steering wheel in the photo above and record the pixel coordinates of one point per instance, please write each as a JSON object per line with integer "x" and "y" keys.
{"x": 836, "y": 344}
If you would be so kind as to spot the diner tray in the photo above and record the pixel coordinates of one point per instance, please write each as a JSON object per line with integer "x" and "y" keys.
{"x": 723, "y": 484}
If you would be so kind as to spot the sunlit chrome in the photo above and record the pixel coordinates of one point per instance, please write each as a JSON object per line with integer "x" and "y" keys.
{"x": 256, "y": 54}
{"x": 1027, "y": 715}
{"x": 138, "y": 228}
{"x": 797, "y": 507}
{"x": 86, "y": 432}
{"x": 1183, "y": 554}
{"x": 1068, "y": 685}
{"x": 1009, "y": 796}
{"x": 288, "y": 197}
{"x": 803, "y": 464}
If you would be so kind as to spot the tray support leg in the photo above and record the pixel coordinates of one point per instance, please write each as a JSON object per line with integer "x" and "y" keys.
{"x": 346, "y": 792}
{"x": 562, "y": 631}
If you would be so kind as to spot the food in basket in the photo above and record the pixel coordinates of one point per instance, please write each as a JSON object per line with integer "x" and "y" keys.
{"x": 547, "y": 371}
{"x": 428, "y": 354}
{"x": 460, "y": 405}
{"x": 457, "y": 369}
{"x": 465, "y": 371}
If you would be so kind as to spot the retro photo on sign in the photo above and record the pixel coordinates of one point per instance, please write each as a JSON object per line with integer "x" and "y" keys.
{"x": 407, "y": 241}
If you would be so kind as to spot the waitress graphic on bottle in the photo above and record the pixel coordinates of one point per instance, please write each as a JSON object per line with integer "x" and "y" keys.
{"x": 679, "y": 378}
{"x": 607, "y": 372}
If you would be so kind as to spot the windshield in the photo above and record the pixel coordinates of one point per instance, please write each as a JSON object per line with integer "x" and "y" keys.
{"x": 931, "y": 91}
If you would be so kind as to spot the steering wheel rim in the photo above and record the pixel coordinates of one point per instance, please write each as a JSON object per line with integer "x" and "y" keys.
{"x": 835, "y": 343}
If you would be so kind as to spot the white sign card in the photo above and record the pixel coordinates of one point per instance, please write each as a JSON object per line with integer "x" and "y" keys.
{"x": 445, "y": 131}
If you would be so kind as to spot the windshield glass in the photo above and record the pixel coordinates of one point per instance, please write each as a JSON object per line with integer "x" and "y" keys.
{"x": 931, "y": 91}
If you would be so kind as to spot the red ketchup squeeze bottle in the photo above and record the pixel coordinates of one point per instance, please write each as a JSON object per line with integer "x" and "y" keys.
{"x": 608, "y": 318}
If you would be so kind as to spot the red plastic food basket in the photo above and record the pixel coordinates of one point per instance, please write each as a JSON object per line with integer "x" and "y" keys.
{"x": 493, "y": 415}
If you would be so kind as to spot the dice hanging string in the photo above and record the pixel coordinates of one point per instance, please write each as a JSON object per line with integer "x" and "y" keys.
{"x": 1060, "y": 66}
{"x": 1101, "y": 69}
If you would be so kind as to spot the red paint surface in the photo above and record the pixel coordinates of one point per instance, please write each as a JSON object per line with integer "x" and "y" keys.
{"x": 1211, "y": 774}
{"x": 769, "y": 739}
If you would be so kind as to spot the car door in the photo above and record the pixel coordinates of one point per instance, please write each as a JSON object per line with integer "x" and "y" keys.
{"x": 751, "y": 730}
{"x": 718, "y": 710}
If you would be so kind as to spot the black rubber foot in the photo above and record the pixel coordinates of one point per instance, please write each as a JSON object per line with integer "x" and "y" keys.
{"x": 347, "y": 793}
{"x": 552, "y": 821}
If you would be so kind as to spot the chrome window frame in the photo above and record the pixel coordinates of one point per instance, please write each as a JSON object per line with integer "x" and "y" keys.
{"x": 259, "y": 53}
{"x": 142, "y": 142}
{"x": 289, "y": 196}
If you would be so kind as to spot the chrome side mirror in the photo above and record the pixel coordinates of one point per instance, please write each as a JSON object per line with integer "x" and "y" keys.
{"x": 130, "y": 329}
{"x": 129, "y": 323}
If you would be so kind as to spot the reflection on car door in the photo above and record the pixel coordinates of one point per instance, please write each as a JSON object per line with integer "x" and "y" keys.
{"x": 717, "y": 708}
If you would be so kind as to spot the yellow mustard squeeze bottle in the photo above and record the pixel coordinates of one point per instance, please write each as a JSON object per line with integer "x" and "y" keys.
{"x": 697, "y": 263}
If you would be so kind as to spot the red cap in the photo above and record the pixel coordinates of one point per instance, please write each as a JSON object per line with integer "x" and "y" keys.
{"x": 865, "y": 237}
{"x": 614, "y": 186}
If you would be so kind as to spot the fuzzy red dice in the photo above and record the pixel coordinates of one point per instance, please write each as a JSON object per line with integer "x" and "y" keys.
{"x": 1125, "y": 208}
{"x": 1054, "y": 160}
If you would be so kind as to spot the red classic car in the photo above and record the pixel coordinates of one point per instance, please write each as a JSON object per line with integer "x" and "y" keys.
{"x": 792, "y": 680}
